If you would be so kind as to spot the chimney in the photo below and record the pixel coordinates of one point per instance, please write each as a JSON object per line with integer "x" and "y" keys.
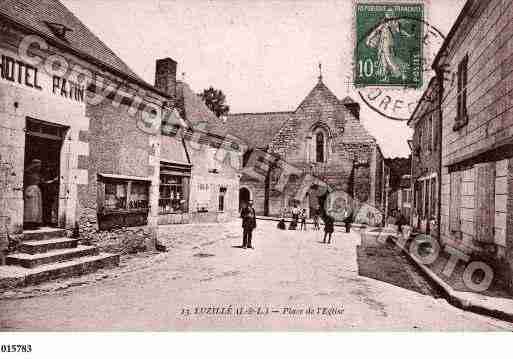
{"x": 354, "y": 107}
{"x": 165, "y": 76}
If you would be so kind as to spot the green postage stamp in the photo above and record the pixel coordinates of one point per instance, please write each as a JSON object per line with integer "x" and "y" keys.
{"x": 389, "y": 44}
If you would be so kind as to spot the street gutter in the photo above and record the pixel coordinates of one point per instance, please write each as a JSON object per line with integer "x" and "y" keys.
{"x": 500, "y": 308}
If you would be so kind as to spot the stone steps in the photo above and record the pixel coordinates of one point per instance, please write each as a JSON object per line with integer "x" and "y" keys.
{"x": 17, "y": 276}
{"x": 27, "y": 260}
{"x": 43, "y": 246}
{"x": 43, "y": 234}
{"x": 47, "y": 254}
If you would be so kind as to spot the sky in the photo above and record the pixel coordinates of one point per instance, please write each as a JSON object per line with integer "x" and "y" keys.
{"x": 263, "y": 55}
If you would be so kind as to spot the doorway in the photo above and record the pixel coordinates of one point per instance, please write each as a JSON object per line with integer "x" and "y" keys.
{"x": 244, "y": 196}
{"x": 317, "y": 200}
{"x": 43, "y": 142}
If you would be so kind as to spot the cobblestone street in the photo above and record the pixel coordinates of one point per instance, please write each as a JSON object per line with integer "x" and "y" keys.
{"x": 364, "y": 286}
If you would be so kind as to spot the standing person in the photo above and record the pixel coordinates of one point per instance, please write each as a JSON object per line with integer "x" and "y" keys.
{"x": 33, "y": 199}
{"x": 248, "y": 224}
{"x": 303, "y": 219}
{"x": 348, "y": 220}
{"x": 329, "y": 224}
{"x": 295, "y": 213}
{"x": 401, "y": 221}
{"x": 315, "y": 217}
{"x": 295, "y": 217}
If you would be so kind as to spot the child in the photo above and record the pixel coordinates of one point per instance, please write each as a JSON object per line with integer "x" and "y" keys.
{"x": 329, "y": 223}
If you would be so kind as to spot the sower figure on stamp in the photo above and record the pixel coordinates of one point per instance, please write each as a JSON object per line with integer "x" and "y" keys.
{"x": 382, "y": 39}
{"x": 248, "y": 224}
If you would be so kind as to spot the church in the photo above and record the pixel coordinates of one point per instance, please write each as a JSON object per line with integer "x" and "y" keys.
{"x": 322, "y": 139}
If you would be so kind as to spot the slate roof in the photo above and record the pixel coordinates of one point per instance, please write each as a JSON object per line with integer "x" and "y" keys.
{"x": 355, "y": 132}
{"x": 33, "y": 14}
{"x": 259, "y": 129}
{"x": 199, "y": 116}
{"x": 320, "y": 89}
{"x": 196, "y": 111}
{"x": 256, "y": 129}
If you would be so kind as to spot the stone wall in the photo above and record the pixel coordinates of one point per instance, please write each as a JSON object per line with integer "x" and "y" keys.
{"x": 101, "y": 137}
{"x": 351, "y": 162}
{"x": 486, "y": 38}
{"x": 213, "y": 169}
{"x": 118, "y": 147}
{"x": 18, "y": 102}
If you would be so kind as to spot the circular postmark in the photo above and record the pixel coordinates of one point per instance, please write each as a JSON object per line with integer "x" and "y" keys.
{"x": 393, "y": 58}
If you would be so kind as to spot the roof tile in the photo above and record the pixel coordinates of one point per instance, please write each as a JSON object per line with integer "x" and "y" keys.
{"x": 34, "y": 14}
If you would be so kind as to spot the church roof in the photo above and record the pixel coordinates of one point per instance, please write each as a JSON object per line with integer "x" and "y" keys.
{"x": 347, "y": 100}
{"x": 53, "y": 21}
{"x": 355, "y": 132}
{"x": 259, "y": 129}
{"x": 320, "y": 90}
{"x": 256, "y": 129}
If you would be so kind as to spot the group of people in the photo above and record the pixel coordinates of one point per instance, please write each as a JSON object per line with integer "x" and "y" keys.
{"x": 299, "y": 216}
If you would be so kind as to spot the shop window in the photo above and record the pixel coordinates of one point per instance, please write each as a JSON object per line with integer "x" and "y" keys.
{"x": 115, "y": 196}
{"x": 122, "y": 201}
{"x": 122, "y": 195}
{"x": 172, "y": 197}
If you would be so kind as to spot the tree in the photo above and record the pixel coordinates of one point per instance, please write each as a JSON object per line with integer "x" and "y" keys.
{"x": 399, "y": 166}
{"x": 215, "y": 100}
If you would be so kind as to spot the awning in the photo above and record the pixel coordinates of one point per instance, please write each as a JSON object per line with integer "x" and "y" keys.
{"x": 123, "y": 177}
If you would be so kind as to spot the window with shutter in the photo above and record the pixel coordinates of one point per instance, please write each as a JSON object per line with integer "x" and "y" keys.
{"x": 427, "y": 196}
{"x": 430, "y": 133}
{"x": 462, "y": 119}
{"x": 484, "y": 212}
{"x": 455, "y": 205}
{"x": 434, "y": 196}
{"x": 434, "y": 137}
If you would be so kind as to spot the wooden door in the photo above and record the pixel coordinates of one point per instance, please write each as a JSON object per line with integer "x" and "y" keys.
{"x": 484, "y": 195}
{"x": 455, "y": 204}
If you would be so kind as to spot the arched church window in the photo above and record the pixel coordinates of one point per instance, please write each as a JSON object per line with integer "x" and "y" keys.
{"x": 319, "y": 147}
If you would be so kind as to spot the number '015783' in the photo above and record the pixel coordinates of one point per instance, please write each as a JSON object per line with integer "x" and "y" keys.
{"x": 15, "y": 348}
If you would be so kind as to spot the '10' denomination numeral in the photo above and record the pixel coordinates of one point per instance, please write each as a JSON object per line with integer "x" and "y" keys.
{"x": 366, "y": 68}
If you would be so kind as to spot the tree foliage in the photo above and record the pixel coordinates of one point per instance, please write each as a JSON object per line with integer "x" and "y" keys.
{"x": 215, "y": 100}
{"x": 399, "y": 166}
